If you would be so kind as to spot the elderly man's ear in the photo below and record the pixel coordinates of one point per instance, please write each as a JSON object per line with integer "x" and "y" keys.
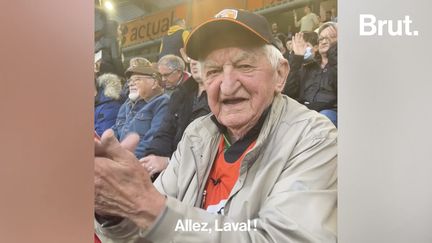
{"x": 282, "y": 74}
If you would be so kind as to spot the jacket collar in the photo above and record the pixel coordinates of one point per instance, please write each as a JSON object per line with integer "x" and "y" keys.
{"x": 253, "y": 133}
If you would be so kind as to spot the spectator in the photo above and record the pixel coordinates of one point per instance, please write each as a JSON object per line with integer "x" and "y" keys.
{"x": 328, "y": 16}
{"x": 105, "y": 41}
{"x": 145, "y": 108}
{"x": 289, "y": 33}
{"x": 107, "y": 101}
{"x": 186, "y": 104}
{"x": 260, "y": 156}
{"x": 275, "y": 30}
{"x": 278, "y": 43}
{"x": 175, "y": 39}
{"x": 293, "y": 84}
{"x": 172, "y": 68}
{"x": 289, "y": 53}
{"x": 308, "y": 22}
{"x": 316, "y": 77}
{"x": 134, "y": 61}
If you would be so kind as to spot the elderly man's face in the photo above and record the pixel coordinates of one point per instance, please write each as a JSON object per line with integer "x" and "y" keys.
{"x": 169, "y": 77}
{"x": 240, "y": 85}
{"x": 141, "y": 86}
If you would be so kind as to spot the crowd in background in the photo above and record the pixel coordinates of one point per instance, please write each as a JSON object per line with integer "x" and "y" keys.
{"x": 158, "y": 100}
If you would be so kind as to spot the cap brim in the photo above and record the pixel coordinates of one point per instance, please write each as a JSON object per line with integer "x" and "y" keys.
{"x": 220, "y": 30}
{"x": 140, "y": 70}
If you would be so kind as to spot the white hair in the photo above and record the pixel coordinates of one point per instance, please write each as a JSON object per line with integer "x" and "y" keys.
{"x": 273, "y": 55}
{"x": 111, "y": 85}
{"x": 173, "y": 62}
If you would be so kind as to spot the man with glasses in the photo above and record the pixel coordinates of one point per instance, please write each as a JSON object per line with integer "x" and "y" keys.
{"x": 145, "y": 108}
{"x": 172, "y": 68}
{"x": 186, "y": 104}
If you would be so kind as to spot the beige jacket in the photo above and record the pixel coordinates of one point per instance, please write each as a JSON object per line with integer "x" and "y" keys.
{"x": 287, "y": 185}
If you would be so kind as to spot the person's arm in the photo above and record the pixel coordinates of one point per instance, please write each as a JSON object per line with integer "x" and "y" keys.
{"x": 315, "y": 19}
{"x": 185, "y": 35}
{"x": 121, "y": 116}
{"x": 108, "y": 116}
{"x": 296, "y": 23}
{"x": 159, "y": 111}
{"x": 118, "y": 178}
{"x": 292, "y": 86}
{"x": 163, "y": 139}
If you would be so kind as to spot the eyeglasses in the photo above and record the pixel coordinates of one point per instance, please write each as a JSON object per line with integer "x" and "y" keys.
{"x": 166, "y": 75}
{"x": 321, "y": 39}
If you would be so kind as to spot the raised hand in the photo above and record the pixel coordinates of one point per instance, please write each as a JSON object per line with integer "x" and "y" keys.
{"x": 129, "y": 143}
{"x": 298, "y": 44}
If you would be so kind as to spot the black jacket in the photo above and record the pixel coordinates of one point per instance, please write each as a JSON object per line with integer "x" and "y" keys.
{"x": 312, "y": 85}
{"x": 184, "y": 107}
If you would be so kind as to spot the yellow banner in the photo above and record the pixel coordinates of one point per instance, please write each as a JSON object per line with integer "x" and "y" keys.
{"x": 148, "y": 28}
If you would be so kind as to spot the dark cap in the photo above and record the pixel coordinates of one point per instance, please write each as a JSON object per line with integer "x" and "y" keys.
{"x": 143, "y": 69}
{"x": 225, "y": 27}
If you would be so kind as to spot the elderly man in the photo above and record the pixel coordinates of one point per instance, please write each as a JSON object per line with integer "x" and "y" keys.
{"x": 144, "y": 110}
{"x": 186, "y": 104}
{"x": 260, "y": 168}
{"x": 172, "y": 69}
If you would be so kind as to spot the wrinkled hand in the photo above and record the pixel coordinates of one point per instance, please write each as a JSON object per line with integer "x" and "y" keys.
{"x": 130, "y": 142}
{"x": 298, "y": 44}
{"x": 122, "y": 186}
{"x": 154, "y": 164}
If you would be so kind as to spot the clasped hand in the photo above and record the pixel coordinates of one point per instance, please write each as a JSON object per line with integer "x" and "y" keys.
{"x": 122, "y": 186}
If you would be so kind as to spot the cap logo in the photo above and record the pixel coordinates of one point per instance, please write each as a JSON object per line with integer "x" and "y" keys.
{"x": 227, "y": 13}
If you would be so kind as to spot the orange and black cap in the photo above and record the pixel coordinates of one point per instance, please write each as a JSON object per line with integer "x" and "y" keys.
{"x": 226, "y": 27}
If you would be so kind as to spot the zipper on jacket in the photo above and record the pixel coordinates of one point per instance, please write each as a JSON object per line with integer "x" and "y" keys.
{"x": 204, "y": 194}
{"x": 201, "y": 184}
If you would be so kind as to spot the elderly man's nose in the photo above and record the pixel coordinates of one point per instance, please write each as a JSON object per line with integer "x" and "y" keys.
{"x": 229, "y": 84}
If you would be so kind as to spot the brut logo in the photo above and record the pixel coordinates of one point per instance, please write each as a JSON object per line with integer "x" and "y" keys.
{"x": 370, "y": 25}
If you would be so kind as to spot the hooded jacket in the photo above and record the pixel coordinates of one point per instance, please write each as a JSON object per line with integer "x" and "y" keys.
{"x": 287, "y": 184}
{"x": 107, "y": 102}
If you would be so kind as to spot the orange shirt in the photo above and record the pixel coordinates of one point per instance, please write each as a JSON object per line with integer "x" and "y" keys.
{"x": 221, "y": 180}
